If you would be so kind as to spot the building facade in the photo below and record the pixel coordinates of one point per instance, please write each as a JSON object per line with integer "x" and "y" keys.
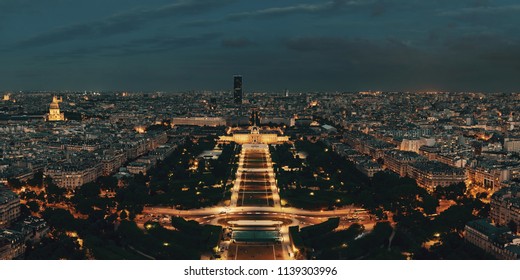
{"x": 492, "y": 176}
{"x": 512, "y": 145}
{"x": 255, "y": 136}
{"x": 9, "y": 207}
{"x": 73, "y": 176}
{"x": 433, "y": 174}
{"x": 398, "y": 161}
{"x": 505, "y": 207}
{"x": 54, "y": 114}
{"x": 199, "y": 121}
{"x": 496, "y": 241}
{"x": 12, "y": 245}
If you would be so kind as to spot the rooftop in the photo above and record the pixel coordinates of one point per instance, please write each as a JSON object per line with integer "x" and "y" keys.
{"x": 486, "y": 228}
{"x": 6, "y": 194}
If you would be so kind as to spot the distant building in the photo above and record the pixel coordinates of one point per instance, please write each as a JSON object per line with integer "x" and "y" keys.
{"x": 9, "y": 206}
{"x": 54, "y": 114}
{"x": 433, "y": 174}
{"x": 497, "y": 241}
{"x": 414, "y": 144}
{"x": 451, "y": 160}
{"x": 12, "y": 245}
{"x": 71, "y": 176}
{"x": 512, "y": 145}
{"x": 303, "y": 121}
{"x": 237, "y": 89}
{"x": 198, "y": 121}
{"x": 429, "y": 152}
{"x": 112, "y": 160}
{"x": 369, "y": 168}
{"x": 255, "y": 136}
{"x": 328, "y": 129}
{"x": 505, "y": 207}
{"x": 137, "y": 167}
{"x": 276, "y": 121}
{"x": 492, "y": 174}
{"x": 397, "y": 161}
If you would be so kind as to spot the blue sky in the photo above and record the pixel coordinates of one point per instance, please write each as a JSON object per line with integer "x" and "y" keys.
{"x": 311, "y": 45}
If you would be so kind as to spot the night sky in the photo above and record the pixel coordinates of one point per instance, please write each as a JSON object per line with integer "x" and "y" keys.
{"x": 311, "y": 45}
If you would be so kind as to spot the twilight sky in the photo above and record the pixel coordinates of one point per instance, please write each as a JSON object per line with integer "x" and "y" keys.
{"x": 309, "y": 45}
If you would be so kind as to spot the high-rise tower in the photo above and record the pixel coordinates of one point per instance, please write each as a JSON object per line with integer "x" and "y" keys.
{"x": 237, "y": 89}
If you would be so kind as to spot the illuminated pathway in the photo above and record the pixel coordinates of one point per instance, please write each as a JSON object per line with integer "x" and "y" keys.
{"x": 257, "y": 235}
{"x": 255, "y": 213}
{"x": 255, "y": 184}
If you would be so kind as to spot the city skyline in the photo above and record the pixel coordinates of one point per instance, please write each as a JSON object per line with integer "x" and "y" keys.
{"x": 260, "y": 130}
{"x": 365, "y": 175}
{"x": 332, "y": 45}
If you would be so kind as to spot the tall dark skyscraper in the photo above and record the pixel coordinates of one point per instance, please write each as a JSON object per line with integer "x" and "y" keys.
{"x": 237, "y": 89}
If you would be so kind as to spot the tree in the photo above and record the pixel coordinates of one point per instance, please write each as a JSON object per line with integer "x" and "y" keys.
{"x": 452, "y": 191}
{"x": 33, "y": 205}
{"x": 108, "y": 182}
{"x": 454, "y": 218}
{"x": 430, "y": 204}
{"x": 89, "y": 190}
{"x": 202, "y": 166}
{"x": 36, "y": 180}
{"x": 513, "y": 226}
{"x": 84, "y": 206}
{"x": 123, "y": 215}
{"x": 59, "y": 219}
{"x": 54, "y": 193}
{"x": 14, "y": 183}
{"x": 368, "y": 246}
{"x": 133, "y": 197}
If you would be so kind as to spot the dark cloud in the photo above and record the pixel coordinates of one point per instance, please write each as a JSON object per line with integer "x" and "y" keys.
{"x": 163, "y": 44}
{"x": 237, "y": 43}
{"x": 497, "y": 51}
{"x": 19, "y": 6}
{"x": 482, "y": 10}
{"x": 305, "y": 45}
{"x": 122, "y": 22}
{"x": 472, "y": 42}
{"x": 150, "y": 46}
{"x": 387, "y": 61}
{"x": 393, "y": 64}
{"x": 298, "y": 9}
{"x": 317, "y": 43}
{"x": 320, "y": 8}
{"x": 334, "y": 45}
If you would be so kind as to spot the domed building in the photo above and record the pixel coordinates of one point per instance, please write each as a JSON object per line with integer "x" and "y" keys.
{"x": 54, "y": 114}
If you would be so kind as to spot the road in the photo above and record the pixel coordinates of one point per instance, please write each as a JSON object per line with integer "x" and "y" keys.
{"x": 254, "y": 198}
{"x": 346, "y": 211}
{"x": 301, "y": 217}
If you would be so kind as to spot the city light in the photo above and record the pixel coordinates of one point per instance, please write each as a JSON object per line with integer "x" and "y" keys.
{"x": 270, "y": 130}
{"x": 243, "y": 174}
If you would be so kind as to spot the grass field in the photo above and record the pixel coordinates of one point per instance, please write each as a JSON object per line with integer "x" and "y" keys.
{"x": 255, "y": 199}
